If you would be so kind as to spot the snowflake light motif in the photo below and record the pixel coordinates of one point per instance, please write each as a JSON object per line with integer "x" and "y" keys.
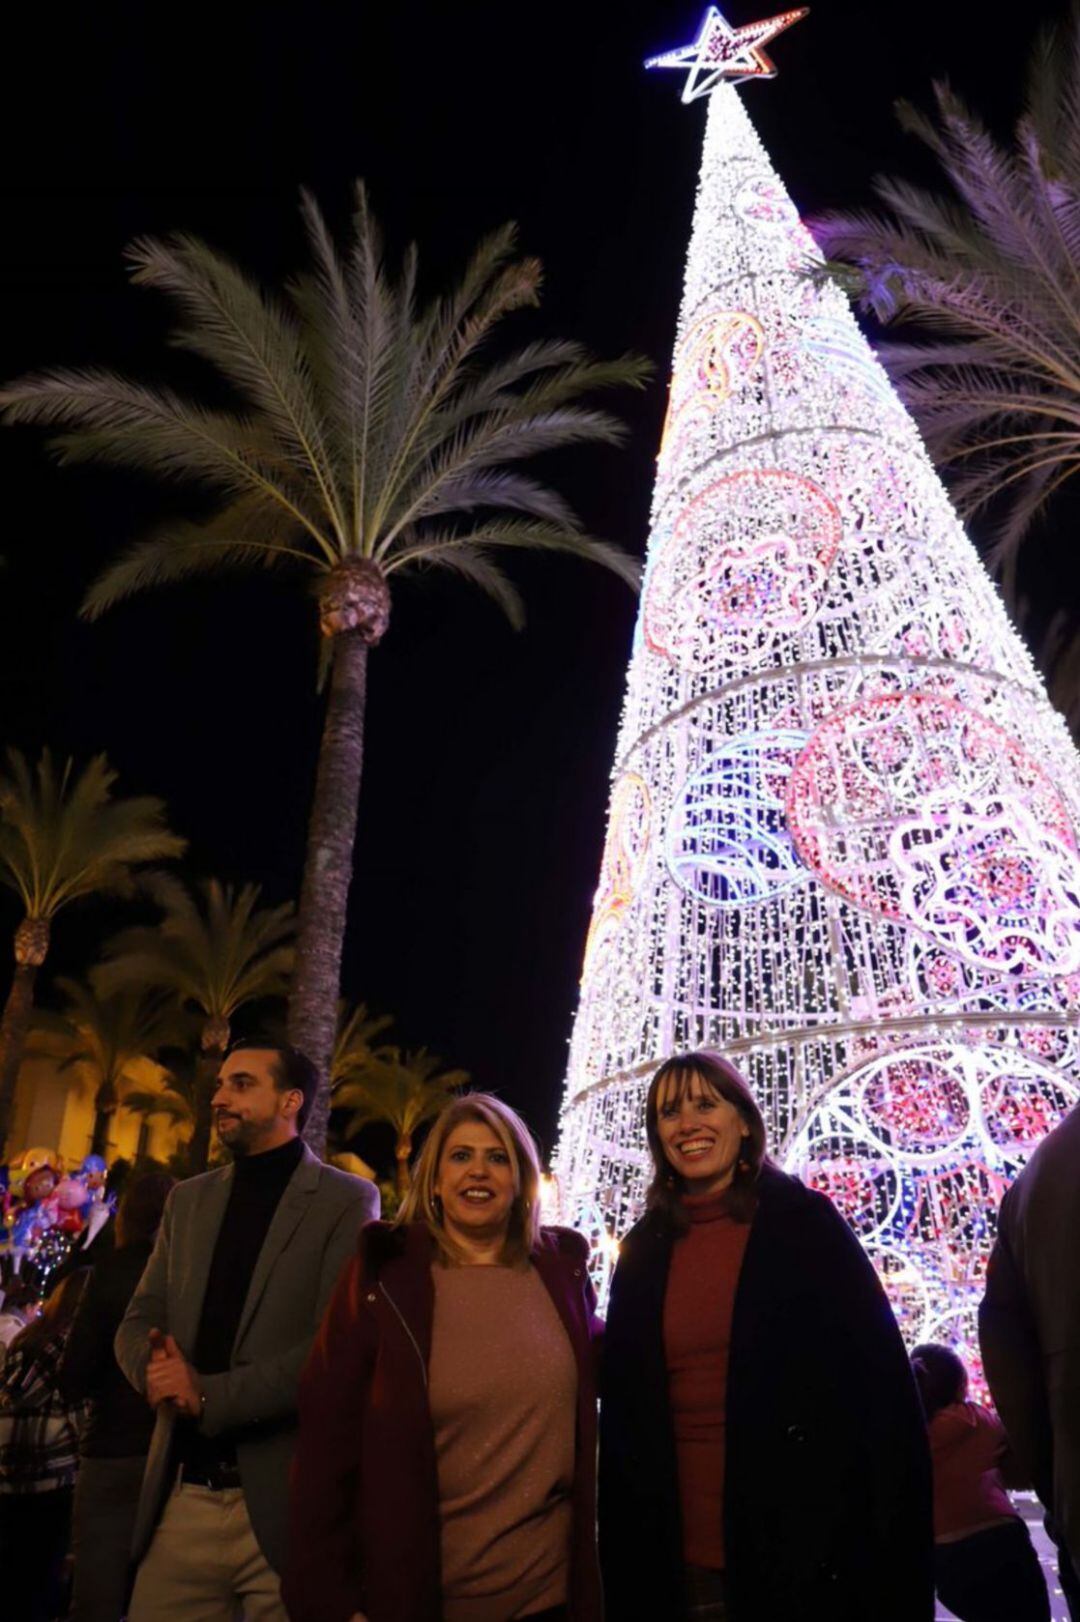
{"x": 748, "y": 556}
{"x": 842, "y": 845}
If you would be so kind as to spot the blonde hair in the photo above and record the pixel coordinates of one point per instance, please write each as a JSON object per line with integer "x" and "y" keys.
{"x": 422, "y": 1204}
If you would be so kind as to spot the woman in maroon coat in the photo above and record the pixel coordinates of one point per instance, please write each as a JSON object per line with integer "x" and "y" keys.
{"x": 445, "y": 1467}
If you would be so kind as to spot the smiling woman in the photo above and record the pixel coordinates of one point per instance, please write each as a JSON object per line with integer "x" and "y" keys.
{"x": 446, "y": 1465}
{"x": 750, "y": 1474}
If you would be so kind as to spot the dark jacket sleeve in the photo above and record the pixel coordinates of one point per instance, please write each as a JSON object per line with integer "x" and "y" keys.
{"x": 322, "y": 1573}
{"x": 864, "y": 1333}
{"x": 88, "y": 1354}
{"x": 1013, "y": 1366}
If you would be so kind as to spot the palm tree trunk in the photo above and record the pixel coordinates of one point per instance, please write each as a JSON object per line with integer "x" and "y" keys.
{"x": 104, "y": 1104}
{"x": 324, "y": 894}
{"x": 206, "y": 1073}
{"x": 31, "y": 945}
{"x": 402, "y": 1152}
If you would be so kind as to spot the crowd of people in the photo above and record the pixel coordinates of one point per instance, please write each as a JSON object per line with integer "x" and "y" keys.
{"x": 261, "y": 1400}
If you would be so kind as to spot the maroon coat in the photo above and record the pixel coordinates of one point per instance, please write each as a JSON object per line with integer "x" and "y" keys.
{"x": 364, "y": 1516}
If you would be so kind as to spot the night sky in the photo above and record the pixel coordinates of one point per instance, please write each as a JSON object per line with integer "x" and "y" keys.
{"x": 488, "y": 752}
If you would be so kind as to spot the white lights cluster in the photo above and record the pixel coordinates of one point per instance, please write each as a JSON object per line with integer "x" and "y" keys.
{"x": 842, "y": 837}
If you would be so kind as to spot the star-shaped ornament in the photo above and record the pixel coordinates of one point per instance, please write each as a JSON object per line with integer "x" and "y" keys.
{"x": 722, "y": 52}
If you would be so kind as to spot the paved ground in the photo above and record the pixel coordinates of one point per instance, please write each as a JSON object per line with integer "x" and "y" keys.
{"x": 1031, "y": 1510}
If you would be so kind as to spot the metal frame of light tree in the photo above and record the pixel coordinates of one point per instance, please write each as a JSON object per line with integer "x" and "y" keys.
{"x": 841, "y": 841}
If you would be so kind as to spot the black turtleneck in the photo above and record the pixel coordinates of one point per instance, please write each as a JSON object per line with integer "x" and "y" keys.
{"x": 259, "y": 1181}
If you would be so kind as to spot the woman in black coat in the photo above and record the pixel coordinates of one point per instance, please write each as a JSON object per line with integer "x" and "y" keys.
{"x": 763, "y": 1456}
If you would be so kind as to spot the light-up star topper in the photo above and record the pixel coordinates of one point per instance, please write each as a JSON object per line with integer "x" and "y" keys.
{"x": 722, "y": 52}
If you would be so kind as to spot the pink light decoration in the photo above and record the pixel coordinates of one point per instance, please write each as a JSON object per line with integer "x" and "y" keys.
{"x": 748, "y": 556}
{"x": 916, "y": 807}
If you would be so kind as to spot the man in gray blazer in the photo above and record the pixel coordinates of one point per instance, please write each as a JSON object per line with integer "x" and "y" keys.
{"x": 1029, "y": 1330}
{"x": 215, "y": 1337}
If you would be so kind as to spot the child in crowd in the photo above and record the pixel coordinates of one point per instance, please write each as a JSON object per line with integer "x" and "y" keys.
{"x": 986, "y": 1568}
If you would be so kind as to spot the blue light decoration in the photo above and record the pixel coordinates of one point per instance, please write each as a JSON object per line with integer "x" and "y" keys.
{"x": 727, "y": 836}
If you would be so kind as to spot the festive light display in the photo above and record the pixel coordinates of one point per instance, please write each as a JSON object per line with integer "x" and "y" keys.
{"x": 842, "y": 838}
{"x": 722, "y": 52}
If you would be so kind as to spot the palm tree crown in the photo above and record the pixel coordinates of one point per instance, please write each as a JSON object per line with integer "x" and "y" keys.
{"x": 402, "y": 1089}
{"x": 214, "y": 950}
{"x": 110, "y": 1036}
{"x": 992, "y": 271}
{"x": 63, "y": 836}
{"x": 366, "y": 433}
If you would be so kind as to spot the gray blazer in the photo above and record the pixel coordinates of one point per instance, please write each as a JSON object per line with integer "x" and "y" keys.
{"x": 1029, "y": 1325}
{"x": 313, "y": 1233}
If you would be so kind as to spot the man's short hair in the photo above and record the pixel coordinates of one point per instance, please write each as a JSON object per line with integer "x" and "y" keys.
{"x": 293, "y": 1070}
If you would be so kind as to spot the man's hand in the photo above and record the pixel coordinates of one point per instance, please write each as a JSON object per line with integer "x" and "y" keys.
{"x": 171, "y": 1378}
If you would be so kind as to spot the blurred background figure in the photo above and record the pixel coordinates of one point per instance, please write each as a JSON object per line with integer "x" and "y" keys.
{"x": 115, "y": 1439}
{"x": 18, "y": 1305}
{"x": 38, "y": 1461}
{"x": 985, "y": 1565}
{"x": 1029, "y": 1334}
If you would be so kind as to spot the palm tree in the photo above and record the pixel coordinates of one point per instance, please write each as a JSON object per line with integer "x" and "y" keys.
{"x": 371, "y": 439}
{"x": 353, "y": 1051}
{"x": 146, "y": 1102}
{"x": 63, "y": 836}
{"x": 214, "y": 950}
{"x": 992, "y": 272}
{"x": 401, "y": 1089}
{"x": 109, "y": 1035}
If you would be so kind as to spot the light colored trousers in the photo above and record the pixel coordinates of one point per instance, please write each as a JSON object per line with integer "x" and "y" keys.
{"x": 204, "y": 1564}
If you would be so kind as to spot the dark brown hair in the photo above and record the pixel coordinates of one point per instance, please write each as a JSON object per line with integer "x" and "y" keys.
{"x": 721, "y": 1078}
{"x": 940, "y": 1376}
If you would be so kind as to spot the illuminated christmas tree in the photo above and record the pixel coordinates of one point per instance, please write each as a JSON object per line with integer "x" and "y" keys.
{"x": 841, "y": 842}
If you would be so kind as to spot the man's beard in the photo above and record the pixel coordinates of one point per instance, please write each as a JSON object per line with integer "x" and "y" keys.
{"x": 240, "y": 1140}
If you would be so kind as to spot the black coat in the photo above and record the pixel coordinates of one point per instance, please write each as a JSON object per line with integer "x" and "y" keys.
{"x": 828, "y": 1493}
{"x": 121, "y": 1421}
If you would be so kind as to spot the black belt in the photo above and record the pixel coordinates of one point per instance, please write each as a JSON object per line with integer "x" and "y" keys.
{"x": 218, "y": 1477}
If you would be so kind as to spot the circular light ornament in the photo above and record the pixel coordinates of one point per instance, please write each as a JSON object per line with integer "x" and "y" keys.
{"x": 914, "y": 1104}
{"x": 762, "y": 202}
{"x": 917, "y": 808}
{"x": 745, "y": 563}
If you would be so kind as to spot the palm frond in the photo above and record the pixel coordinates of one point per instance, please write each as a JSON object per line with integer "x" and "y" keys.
{"x": 471, "y": 564}
{"x": 518, "y": 535}
{"x": 251, "y": 339}
{"x": 150, "y": 429}
{"x": 215, "y": 947}
{"x": 989, "y": 269}
{"x": 63, "y": 834}
{"x": 249, "y": 532}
